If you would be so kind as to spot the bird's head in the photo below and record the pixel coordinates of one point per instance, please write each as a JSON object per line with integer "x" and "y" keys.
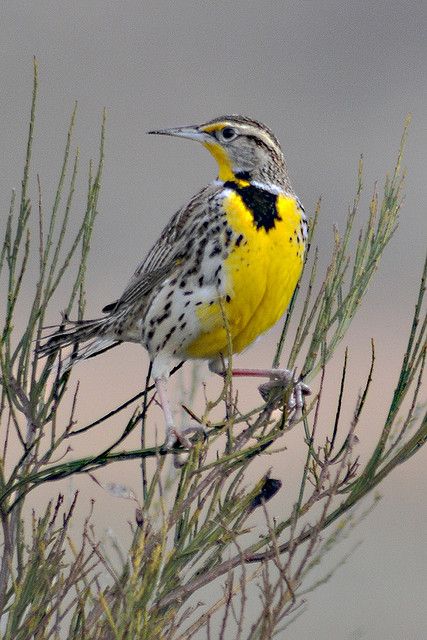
{"x": 244, "y": 149}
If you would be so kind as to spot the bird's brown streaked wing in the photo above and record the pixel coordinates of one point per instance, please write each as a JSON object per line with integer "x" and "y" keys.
{"x": 164, "y": 257}
{"x": 175, "y": 235}
{"x": 142, "y": 285}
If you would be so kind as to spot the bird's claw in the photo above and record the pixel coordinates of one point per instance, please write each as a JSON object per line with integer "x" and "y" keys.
{"x": 272, "y": 391}
{"x": 177, "y": 436}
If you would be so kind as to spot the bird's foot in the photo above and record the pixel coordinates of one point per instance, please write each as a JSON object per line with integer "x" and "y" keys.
{"x": 180, "y": 437}
{"x": 281, "y": 380}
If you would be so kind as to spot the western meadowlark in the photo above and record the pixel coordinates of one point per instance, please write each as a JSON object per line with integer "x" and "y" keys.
{"x": 222, "y": 272}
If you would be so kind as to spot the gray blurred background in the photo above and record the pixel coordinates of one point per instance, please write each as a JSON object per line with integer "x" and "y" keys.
{"x": 333, "y": 80}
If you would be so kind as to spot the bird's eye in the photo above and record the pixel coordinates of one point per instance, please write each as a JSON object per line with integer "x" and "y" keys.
{"x": 228, "y": 133}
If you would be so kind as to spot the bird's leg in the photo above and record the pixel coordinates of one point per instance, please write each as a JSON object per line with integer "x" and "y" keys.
{"x": 173, "y": 435}
{"x": 278, "y": 378}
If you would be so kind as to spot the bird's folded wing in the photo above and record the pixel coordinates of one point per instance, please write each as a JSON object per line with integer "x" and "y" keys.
{"x": 174, "y": 238}
{"x": 141, "y": 285}
{"x": 166, "y": 255}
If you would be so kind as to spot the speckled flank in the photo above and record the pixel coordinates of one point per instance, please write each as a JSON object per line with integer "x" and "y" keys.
{"x": 177, "y": 310}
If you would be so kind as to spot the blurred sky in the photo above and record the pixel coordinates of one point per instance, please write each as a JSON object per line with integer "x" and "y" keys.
{"x": 333, "y": 80}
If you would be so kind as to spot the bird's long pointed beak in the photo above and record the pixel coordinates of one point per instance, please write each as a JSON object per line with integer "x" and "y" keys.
{"x": 192, "y": 133}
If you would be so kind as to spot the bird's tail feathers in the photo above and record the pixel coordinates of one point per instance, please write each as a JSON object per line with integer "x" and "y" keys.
{"x": 93, "y": 332}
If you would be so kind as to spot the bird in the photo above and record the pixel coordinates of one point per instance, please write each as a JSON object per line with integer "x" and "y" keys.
{"x": 222, "y": 272}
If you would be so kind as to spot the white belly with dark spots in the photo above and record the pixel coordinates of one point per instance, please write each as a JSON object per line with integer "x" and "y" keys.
{"x": 171, "y": 322}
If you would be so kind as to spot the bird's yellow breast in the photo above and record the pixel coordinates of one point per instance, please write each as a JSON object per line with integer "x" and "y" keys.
{"x": 262, "y": 271}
